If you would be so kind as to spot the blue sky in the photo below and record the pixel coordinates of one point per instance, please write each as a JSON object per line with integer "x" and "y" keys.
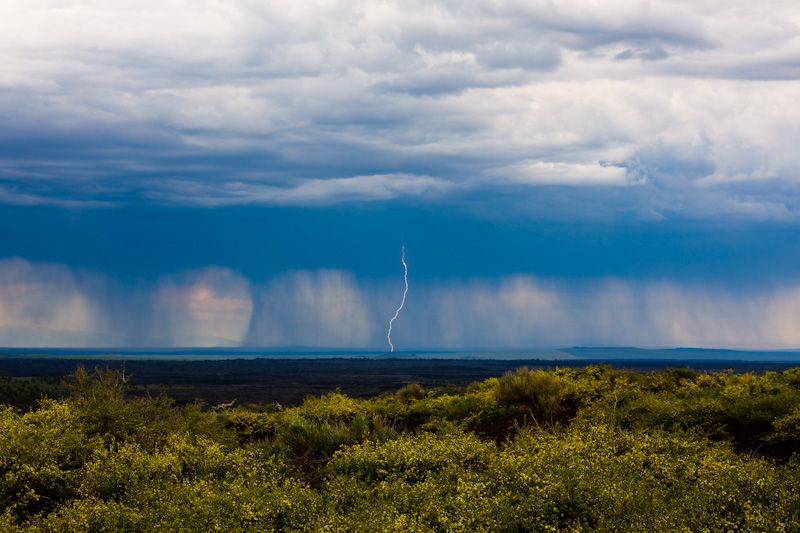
{"x": 245, "y": 173}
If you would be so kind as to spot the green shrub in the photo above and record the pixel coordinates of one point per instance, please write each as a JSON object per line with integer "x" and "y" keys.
{"x": 410, "y": 392}
{"x": 250, "y": 426}
{"x": 307, "y": 440}
{"x": 537, "y": 391}
{"x": 787, "y": 428}
{"x": 330, "y": 407}
{"x": 412, "y": 458}
{"x": 635, "y": 458}
{"x": 41, "y": 453}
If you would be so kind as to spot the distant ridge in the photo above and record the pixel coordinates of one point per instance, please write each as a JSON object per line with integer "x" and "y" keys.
{"x": 682, "y": 354}
{"x": 580, "y": 353}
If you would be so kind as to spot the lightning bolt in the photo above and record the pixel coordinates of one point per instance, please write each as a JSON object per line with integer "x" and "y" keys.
{"x": 405, "y": 276}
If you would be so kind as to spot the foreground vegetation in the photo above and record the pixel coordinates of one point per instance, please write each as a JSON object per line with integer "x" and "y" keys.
{"x": 591, "y": 449}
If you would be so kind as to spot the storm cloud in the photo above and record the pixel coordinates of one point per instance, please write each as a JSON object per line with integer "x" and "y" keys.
{"x": 334, "y": 102}
{"x": 244, "y": 173}
{"x": 50, "y": 305}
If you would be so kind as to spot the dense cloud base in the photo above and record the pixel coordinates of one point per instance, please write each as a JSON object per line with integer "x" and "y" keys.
{"x": 656, "y": 108}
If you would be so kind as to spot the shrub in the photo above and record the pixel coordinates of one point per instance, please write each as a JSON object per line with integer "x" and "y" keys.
{"x": 412, "y": 458}
{"x": 141, "y": 465}
{"x": 787, "y": 428}
{"x": 410, "y": 392}
{"x": 330, "y": 407}
{"x": 250, "y": 426}
{"x": 537, "y": 391}
{"x": 312, "y": 442}
{"x": 41, "y": 453}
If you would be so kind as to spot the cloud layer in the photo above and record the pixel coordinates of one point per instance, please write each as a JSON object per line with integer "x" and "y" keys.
{"x": 51, "y": 305}
{"x": 655, "y": 108}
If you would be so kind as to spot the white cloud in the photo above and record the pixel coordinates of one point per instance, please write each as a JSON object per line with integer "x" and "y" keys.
{"x": 304, "y": 192}
{"x": 545, "y": 173}
{"x": 119, "y": 99}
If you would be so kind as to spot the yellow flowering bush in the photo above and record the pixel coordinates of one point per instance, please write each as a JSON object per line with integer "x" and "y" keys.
{"x": 629, "y": 453}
